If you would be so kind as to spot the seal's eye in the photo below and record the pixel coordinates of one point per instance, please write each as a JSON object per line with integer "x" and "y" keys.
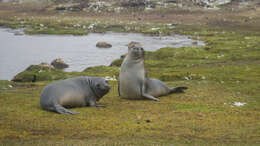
{"x": 98, "y": 86}
{"x": 142, "y": 49}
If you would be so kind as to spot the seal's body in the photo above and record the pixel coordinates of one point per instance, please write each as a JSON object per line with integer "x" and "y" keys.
{"x": 133, "y": 81}
{"x": 73, "y": 92}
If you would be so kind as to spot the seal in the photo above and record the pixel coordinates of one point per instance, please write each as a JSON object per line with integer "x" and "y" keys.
{"x": 73, "y": 92}
{"x": 133, "y": 81}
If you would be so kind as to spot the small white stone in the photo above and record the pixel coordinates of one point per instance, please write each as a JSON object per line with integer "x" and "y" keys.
{"x": 91, "y": 26}
{"x": 155, "y": 28}
{"x": 220, "y": 56}
{"x": 239, "y": 103}
{"x": 110, "y": 78}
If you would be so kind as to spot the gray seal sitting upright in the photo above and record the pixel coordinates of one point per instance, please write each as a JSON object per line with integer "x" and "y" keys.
{"x": 73, "y": 92}
{"x": 133, "y": 81}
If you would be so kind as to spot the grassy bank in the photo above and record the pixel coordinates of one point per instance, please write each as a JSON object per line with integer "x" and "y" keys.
{"x": 219, "y": 75}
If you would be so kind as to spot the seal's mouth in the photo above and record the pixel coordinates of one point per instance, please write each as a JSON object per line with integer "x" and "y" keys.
{"x": 106, "y": 89}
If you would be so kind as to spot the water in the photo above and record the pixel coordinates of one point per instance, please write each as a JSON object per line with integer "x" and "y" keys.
{"x": 17, "y": 52}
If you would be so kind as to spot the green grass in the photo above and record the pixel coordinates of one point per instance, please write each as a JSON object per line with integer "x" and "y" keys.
{"x": 79, "y": 26}
{"x": 202, "y": 115}
{"x": 224, "y": 71}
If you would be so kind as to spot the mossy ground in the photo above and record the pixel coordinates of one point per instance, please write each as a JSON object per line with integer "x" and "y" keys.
{"x": 219, "y": 74}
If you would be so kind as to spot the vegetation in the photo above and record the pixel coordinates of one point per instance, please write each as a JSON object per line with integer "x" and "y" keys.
{"x": 219, "y": 75}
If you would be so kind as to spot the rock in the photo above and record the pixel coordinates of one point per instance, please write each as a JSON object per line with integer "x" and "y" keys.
{"x": 103, "y": 45}
{"x": 41, "y": 66}
{"x": 44, "y": 64}
{"x": 33, "y": 73}
{"x": 59, "y": 64}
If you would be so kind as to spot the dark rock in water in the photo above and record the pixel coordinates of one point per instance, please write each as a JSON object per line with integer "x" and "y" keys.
{"x": 103, "y": 45}
{"x": 59, "y": 64}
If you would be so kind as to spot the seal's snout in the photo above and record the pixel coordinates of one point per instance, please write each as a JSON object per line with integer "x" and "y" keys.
{"x": 138, "y": 51}
{"x": 107, "y": 87}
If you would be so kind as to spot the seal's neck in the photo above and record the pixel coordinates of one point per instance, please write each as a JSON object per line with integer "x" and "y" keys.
{"x": 135, "y": 59}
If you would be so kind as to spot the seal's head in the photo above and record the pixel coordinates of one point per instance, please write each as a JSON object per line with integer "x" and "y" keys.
{"x": 135, "y": 50}
{"x": 101, "y": 88}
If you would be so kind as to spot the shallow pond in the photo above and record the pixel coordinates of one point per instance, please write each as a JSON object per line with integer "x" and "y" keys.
{"x": 17, "y": 52}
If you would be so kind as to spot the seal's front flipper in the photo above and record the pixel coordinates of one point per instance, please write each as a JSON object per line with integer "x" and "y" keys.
{"x": 150, "y": 97}
{"x": 179, "y": 89}
{"x": 62, "y": 110}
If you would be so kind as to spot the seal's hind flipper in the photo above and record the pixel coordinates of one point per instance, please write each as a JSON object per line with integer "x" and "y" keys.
{"x": 62, "y": 110}
{"x": 179, "y": 89}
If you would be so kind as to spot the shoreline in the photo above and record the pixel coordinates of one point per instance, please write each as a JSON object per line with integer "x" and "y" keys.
{"x": 165, "y": 41}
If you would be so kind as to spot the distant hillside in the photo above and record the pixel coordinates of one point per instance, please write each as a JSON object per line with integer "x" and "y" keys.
{"x": 114, "y": 5}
